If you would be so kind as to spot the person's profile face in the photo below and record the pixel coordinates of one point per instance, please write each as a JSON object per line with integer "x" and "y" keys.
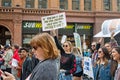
{"x": 108, "y": 46}
{"x": 38, "y": 52}
{"x": 100, "y": 53}
{"x": 23, "y": 53}
{"x": 115, "y": 55}
{"x": 93, "y": 46}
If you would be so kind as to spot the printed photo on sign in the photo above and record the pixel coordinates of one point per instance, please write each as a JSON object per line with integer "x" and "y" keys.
{"x": 87, "y": 69}
{"x": 109, "y": 26}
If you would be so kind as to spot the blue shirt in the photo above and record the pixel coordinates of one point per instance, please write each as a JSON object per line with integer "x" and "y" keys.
{"x": 78, "y": 64}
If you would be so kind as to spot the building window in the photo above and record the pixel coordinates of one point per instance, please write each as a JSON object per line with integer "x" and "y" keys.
{"x": 42, "y": 4}
{"x": 6, "y": 3}
{"x": 87, "y": 5}
{"x": 107, "y": 5}
{"x": 29, "y": 3}
{"x": 75, "y": 4}
{"x": 64, "y": 4}
{"x": 118, "y": 5}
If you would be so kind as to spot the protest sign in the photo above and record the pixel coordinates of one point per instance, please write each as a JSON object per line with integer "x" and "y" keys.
{"x": 64, "y": 37}
{"x": 77, "y": 41}
{"x": 108, "y": 27}
{"x": 14, "y": 62}
{"x": 54, "y": 22}
{"x": 87, "y": 69}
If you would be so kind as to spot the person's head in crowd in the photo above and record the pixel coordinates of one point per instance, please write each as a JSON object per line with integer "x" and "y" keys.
{"x": 93, "y": 46}
{"x": 15, "y": 47}
{"x": 6, "y": 47}
{"x": 76, "y": 51}
{"x": 103, "y": 54}
{"x": 67, "y": 46}
{"x": 31, "y": 53}
{"x": 23, "y": 52}
{"x": 1, "y": 50}
{"x": 1, "y": 47}
{"x": 116, "y": 59}
{"x": 44, "y": 47}
{"x": 116, "y": 54}
{"x": 108, "y": 46}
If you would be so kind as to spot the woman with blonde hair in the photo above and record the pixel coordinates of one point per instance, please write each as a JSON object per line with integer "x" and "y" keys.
{"x": 78, "y": 74}
{"x": 67, "y": 60}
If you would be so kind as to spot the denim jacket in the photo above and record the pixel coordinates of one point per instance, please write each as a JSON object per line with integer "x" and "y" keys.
{"x": 104, "y": 72}
{"x": 79, "y": 64}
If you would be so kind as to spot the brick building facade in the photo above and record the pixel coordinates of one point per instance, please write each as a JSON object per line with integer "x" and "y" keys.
{"x": 13, "y": 18}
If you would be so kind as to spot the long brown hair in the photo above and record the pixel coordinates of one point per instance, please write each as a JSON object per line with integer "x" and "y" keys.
{"x": 45, "y": 41}
{"x": 106, "y": 55}
{"x": 114, "y": 63}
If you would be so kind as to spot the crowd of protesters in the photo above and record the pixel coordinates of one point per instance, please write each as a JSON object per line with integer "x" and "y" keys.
{"x": 17, "y": 60}
{"x": 56, "y": 61}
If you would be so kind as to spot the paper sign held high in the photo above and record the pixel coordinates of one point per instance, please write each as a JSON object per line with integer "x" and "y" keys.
{"x": 54, "y": 22}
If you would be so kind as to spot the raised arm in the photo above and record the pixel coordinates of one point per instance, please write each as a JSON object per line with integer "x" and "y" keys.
{"x": 57, "y": 42}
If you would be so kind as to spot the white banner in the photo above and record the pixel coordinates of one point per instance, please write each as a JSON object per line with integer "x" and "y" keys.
{"x": 108, "y": 27}
{"x": 87, "y": 69}
{"x": 53, "y": 22}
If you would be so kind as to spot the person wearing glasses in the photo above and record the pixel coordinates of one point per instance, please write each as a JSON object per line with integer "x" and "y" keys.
{"x": 45, "y": 50}
{"x": 67, "y": 60}
{"x": 102, "y": 67}
{"x": 94, "y": 48}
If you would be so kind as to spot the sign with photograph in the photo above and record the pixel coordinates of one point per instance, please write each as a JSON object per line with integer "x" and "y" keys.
{"x": 87, "y": 69}
{"x": 108, "y": 27}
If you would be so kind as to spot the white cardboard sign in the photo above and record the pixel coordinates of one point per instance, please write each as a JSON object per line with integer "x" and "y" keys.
{"x": 64, "y": 38}
{"x": 54, "y": 22}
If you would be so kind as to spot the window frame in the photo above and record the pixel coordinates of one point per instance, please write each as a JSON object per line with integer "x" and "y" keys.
{"x": 7, "y": 1}
{"x": 89, "y": 3}
{"x": 42, "y": 1}
{"x": 77, "y": 2}
{"x": 64, "y": 4}
{"x": 109, "y": 5}
{"x": 28, "y": 3}
{"x": 118, "y": 5}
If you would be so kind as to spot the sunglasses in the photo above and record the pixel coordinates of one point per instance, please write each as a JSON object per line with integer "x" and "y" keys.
{"x": 35, "y": 47}
{"x": 65, "y": 45}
